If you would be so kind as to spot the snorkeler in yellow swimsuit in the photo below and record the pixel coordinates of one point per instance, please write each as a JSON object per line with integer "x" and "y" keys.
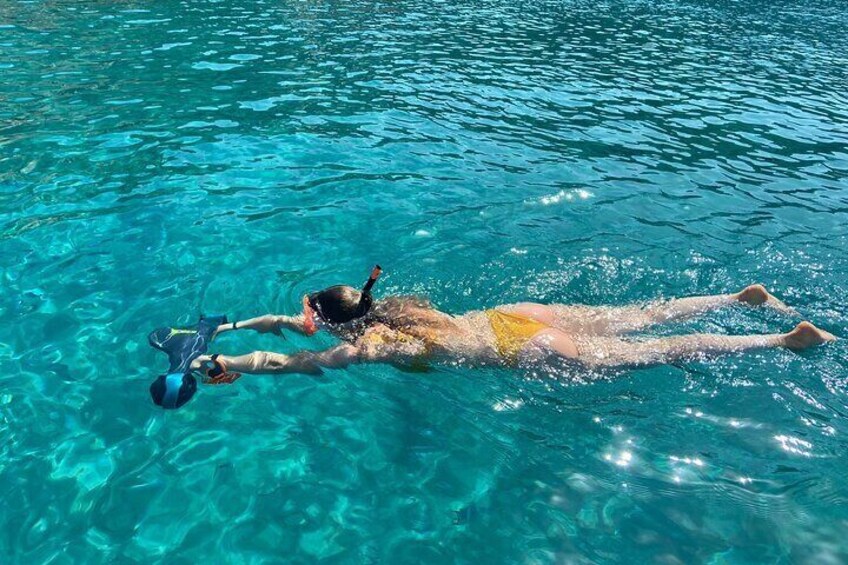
{"x": 407, "y": 330}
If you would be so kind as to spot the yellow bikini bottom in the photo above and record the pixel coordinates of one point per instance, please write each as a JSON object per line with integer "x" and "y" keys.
{"x": 512, "y": 332}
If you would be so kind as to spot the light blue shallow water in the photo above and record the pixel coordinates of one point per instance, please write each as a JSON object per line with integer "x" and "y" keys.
{"x": 162, "y": 159}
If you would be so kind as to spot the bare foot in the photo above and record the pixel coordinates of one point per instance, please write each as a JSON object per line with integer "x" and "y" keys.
{"x": 756, "y": 295}
{"x": 806, "y": 335}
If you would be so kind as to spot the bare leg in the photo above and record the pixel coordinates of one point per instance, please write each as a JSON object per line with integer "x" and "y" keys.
{"x": 609, "y": 320}
{"x": 602, "y": 352}
{"x": 613, "y": 352}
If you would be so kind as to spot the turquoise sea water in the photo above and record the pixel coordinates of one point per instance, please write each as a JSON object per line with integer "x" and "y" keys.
{"x": 163, "y": 159}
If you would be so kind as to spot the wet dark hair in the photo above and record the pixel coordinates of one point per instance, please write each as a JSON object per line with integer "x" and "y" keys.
{"x": 343, "y": 304}
{"x": 412, "y": 315}
{"x": 340, "y": 304}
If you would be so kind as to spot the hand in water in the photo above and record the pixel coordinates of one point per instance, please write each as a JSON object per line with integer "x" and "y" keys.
{"x": 204, "y": 365}
{"x": 200, "y": 362}
{"x": 222, "y": 379}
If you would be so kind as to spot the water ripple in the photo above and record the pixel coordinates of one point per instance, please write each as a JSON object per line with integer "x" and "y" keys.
{"x": 161, "y": 161}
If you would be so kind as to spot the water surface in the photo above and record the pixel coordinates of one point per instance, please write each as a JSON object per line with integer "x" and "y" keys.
{"x": 163, "y": 159}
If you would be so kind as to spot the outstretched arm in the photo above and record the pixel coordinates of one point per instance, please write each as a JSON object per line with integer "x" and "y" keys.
{"x": 306, "y": 362}
{"x": 312, "y": 362}
{"x": 268, "y": 323}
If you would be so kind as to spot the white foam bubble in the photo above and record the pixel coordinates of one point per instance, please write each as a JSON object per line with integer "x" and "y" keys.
{"x": 565, "y": 195}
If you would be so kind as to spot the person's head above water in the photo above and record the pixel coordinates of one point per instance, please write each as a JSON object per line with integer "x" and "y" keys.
{"x": 338, "y": 304}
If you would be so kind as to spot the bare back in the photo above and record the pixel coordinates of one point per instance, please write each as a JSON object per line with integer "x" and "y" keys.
{"x": 467, "y": 338}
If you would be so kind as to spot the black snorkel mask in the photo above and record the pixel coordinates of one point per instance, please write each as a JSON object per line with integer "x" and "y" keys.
{"x": 329, "y": 304}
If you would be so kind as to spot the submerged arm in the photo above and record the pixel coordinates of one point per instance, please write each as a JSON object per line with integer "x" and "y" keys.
{"x": 268, "y": 323}
{"x": 312, "y": 362}
{"x": 306, "y": 362}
